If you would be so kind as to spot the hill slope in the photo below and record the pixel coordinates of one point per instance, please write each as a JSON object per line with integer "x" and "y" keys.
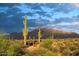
{"x": 46, "y": 33}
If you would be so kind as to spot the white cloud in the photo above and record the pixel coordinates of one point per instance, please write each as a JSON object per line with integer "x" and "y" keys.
{"x": 76, "y": 4}
{"x": 68, "y": 23}
{"x": 66, "y": 26}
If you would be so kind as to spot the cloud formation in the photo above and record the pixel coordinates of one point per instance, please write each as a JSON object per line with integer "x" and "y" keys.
{"x": 62, "y": 16}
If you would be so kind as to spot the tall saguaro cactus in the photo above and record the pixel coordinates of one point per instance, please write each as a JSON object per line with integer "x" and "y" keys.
{"x": 39, "y": 36}
{"x": 25, "y": 31}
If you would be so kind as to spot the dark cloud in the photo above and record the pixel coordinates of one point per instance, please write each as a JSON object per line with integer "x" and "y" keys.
{"x": 8, "y": 4}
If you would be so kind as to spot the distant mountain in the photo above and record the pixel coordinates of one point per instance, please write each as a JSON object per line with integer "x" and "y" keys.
{"x": 52, "y": 33}
{"x": 46, "y": 33}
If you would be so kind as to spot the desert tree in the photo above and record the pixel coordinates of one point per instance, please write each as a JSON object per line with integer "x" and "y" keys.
{"x": 25, "y": 31}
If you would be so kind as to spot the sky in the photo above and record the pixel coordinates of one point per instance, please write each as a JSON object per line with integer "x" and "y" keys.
{"x": 61, "y": 16}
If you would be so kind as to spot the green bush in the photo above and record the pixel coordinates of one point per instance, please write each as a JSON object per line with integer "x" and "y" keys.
{"x": 8, "y": 47}
{"x": 46, "y": 43}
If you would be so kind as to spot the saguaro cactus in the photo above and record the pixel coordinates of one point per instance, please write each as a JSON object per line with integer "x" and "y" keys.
{"x": 25, "y": 31}
{"x": 39, "y": 36}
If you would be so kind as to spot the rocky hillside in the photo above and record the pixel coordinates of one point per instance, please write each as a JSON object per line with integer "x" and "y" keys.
{"x": 46, "y": 33}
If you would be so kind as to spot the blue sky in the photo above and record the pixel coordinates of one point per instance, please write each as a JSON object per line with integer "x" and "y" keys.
{"x": 61, "y": 16}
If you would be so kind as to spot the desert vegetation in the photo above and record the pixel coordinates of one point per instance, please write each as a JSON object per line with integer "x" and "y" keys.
{"x": 48, "y": 47}
{"x": 25, "y": 31}
{"x": 42, "y": 43}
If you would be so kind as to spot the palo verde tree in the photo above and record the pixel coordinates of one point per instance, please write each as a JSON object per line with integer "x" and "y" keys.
{"x": 25, "y": 31}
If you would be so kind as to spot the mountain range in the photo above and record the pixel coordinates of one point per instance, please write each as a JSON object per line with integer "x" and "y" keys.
{"x": 45, "y": 33}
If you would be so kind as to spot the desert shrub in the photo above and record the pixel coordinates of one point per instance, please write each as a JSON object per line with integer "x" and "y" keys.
{"x": 19, "y": 51}
{"x": 75, "y": 52}
{"x": 15, "y": 49}
{"x": 40, "y": 52}
{"x": 46, "y": 43}
{"x": 11, "y": 50}
{"x": 73, "y": 47}
{"x": 8, "y": 47}
{"x": 66, "y": 52}
{"x": 3, "y": 47}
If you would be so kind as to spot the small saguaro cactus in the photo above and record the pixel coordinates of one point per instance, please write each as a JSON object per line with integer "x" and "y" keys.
{"x": 52, "y": 36}
{"x": 39, "y": 36}
{"x": 25, "y": 31}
